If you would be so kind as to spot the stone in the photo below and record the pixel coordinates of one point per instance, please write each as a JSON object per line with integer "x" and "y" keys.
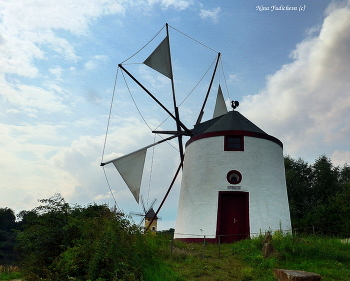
{"x": 267, "y": 238}
{"x": 295, "y": 275}
{"x": 267, "y": 250}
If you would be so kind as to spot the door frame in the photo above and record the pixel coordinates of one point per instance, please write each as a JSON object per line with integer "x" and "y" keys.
{"x": 246, "y": 225}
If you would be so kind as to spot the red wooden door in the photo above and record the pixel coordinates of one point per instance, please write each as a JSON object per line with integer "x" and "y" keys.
{"x": 233, "y": 217}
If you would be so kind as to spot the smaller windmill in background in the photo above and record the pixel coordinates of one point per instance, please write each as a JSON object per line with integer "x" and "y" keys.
{"x": 147, "y": 216}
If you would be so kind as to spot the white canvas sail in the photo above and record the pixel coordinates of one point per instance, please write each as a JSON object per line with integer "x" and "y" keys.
{"x": 220, "y": 105}
{"x": 159, "y": 60}
{"x": 130, "y": 168}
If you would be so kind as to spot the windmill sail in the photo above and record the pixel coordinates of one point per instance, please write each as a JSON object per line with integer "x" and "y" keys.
{"x": 159, "y": 60}
{"x": 130, "y": 168}
{"x": 220, "y": 106}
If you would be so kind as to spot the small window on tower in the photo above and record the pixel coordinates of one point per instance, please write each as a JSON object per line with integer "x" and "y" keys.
{"x": 234, "y": 177}
{"x": 234, "y": 143}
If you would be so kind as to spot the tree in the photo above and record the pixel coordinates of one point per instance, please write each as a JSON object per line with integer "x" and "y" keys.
{"x": 42, "y": 238}
{"x": 298, "y": 179}
{"x": 344, "y": 175}
{"x": 325, "y": 182}
{"x": 7, "y": 219}
{"x": 7, "y": 236}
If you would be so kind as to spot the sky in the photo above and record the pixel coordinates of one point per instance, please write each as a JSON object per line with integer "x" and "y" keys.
{"x": 290, "y": 71}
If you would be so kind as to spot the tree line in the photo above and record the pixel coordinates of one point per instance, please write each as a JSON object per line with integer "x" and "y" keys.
{"x": 319, "y": 196}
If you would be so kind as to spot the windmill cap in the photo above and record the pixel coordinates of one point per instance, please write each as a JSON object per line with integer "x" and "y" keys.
{"x": 150, "y": 214}
{"x": 231, "y": 123}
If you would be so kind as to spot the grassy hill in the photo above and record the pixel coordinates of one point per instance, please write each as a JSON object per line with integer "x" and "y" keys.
{"x": 244, "y": 260}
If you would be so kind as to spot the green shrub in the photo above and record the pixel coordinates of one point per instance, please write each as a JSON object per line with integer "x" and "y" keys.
{"x": 60, "y": 242}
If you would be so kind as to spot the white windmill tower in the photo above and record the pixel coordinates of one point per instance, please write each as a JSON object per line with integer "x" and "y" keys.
{"x": 233, "y": 181}
{"x": 233, "y": 184}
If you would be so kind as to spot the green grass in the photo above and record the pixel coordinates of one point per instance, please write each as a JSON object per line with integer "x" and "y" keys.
{"x": 8, "y": 272}
{"x": 194, "y": 262}
{"x": 326, "y": 256}
{"x": 244, "y": 261}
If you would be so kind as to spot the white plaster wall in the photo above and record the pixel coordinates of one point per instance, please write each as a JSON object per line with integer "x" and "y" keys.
{"x": 205, "y": 168}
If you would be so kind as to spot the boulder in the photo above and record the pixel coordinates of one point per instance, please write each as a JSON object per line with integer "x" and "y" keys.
{"x": 295, "y": 275}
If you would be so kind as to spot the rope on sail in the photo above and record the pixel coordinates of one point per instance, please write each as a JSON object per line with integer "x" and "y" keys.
{"x": 110, "y": 113}
{"x": 110, "y": 189}
{"x": 150, "y": 175}
{"x": 104, "y": 145}
{"x": 209, "y": 67}
{"x": 197, "y": 83}
{"x": 193, "y": 87}
{"x": 190, "y": 93}
{"x": 132, "y": 97}
{"x": 193, "y": 39}
{"x": 223, "y": 73}
{"x": 144, "y": 46}
{"x": 144, "y": 120}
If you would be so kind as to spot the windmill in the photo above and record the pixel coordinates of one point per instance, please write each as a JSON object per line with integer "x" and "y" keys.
{"x": 147, "y": 216}
{"x": 233, "y": 182}
{"x": 131, "y": 166}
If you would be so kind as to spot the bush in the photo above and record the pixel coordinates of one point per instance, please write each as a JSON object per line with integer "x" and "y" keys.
{"x": 60, "y": 242}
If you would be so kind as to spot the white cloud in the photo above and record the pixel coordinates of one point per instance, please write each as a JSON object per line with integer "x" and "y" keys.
{"x": 32, "y": 98}
{"x": 13, "y": 111}
{"x": 17, "y": 55}
{"x": 74, "y": 16}
{"x": 28, "y": 28}
{"x": 306, "y": 103}
{"x": 56, "y": 71}
{"x": 233, "y": 77}
{"x": 175, "y": 4}
{"x": 92, "y": 64}
{"x": 212, "y": 14}
{"x": 340, "y": 157}
{"x": 27, "y": 174}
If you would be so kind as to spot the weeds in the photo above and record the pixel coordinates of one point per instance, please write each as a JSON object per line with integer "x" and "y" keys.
{"x": 326, "y": 256}
{"x": 8, "y": 272}
{"x": 196, "y": 262}
{"x": 244, "y": 261}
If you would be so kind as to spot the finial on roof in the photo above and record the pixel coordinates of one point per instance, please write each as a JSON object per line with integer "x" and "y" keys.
{"x": 234, "y": 104}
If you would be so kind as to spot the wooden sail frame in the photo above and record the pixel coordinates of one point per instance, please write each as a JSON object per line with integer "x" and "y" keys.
{"x": 181, "y": 129}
